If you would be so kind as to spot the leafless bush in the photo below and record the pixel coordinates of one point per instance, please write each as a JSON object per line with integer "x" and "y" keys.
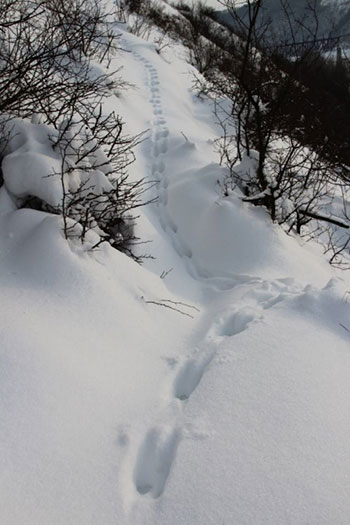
{"x": 96, "y": 191}
{"x": 46, "y": 69}
{"x": 45, "y": 49}
{"x": 270, "y": 139}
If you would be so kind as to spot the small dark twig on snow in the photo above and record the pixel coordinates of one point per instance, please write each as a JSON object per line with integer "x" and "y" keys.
{"x": 345, "y": 328}
{"x": 167, "y": 303}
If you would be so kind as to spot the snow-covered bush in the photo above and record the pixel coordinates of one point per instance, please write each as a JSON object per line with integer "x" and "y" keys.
{"x": 95, "y": 190}
{"x": 67, "y": 172}
{"x": 71, "y": 158}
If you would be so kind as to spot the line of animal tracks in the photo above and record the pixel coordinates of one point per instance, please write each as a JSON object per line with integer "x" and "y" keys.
{"x": 159, "y": 446}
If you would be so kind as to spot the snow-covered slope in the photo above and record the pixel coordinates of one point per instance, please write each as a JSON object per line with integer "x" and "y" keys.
{"x": 117, "y": 410}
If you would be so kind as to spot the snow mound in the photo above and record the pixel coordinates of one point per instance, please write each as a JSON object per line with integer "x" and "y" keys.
{"x": 34, "y": 166}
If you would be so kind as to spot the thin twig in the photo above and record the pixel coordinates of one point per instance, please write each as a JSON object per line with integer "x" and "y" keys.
{"x": 345, "y": 328}
{"x": 159, "y": 303}
{"x": 180, "y": 303}
{"x": 165, "y": 273}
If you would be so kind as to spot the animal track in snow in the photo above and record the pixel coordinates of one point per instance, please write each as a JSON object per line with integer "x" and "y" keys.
{"x": 259, "y": 296}
{"x": 270, "y": 293}
{"x": 158, "y": 167}
{"x": 272, "y": 301}
{"x": 189, "y": 376}
{"x": 161, "y": 133}
{"x": 167, "y": 223}
{"x": 239, "y": 321}
{"x": 156, "y": 151}
{"x": 159, "y": 148}
{"x": 160, "y": 120}
{"x": 163, "y": 196}
{"x": 154, "y": 460}
{"x": 163, "y": 146}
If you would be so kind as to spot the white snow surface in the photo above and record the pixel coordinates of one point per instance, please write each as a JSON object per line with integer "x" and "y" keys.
{"x": 211, "y": 3}
{"x": 119, "y": 411}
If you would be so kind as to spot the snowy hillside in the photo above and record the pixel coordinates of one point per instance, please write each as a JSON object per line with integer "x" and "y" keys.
{"x": 209, "y": 385}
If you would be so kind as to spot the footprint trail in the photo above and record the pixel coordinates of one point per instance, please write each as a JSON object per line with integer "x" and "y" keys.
{"x": 153, "y": 462}
{"x": 189, "y": 376}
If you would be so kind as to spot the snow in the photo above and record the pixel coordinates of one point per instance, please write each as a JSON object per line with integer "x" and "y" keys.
{"x": 34, "y": 167}
{"x": 210, "y": 3}
{"x": 30, "y": 163}
{"x": 115, "y": 409}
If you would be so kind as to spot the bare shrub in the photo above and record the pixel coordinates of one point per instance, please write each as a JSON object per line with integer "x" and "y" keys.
{"x": 47, "y": 74}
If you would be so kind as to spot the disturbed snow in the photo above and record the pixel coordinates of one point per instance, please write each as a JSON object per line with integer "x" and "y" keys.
{"x": 116, "y": 410}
